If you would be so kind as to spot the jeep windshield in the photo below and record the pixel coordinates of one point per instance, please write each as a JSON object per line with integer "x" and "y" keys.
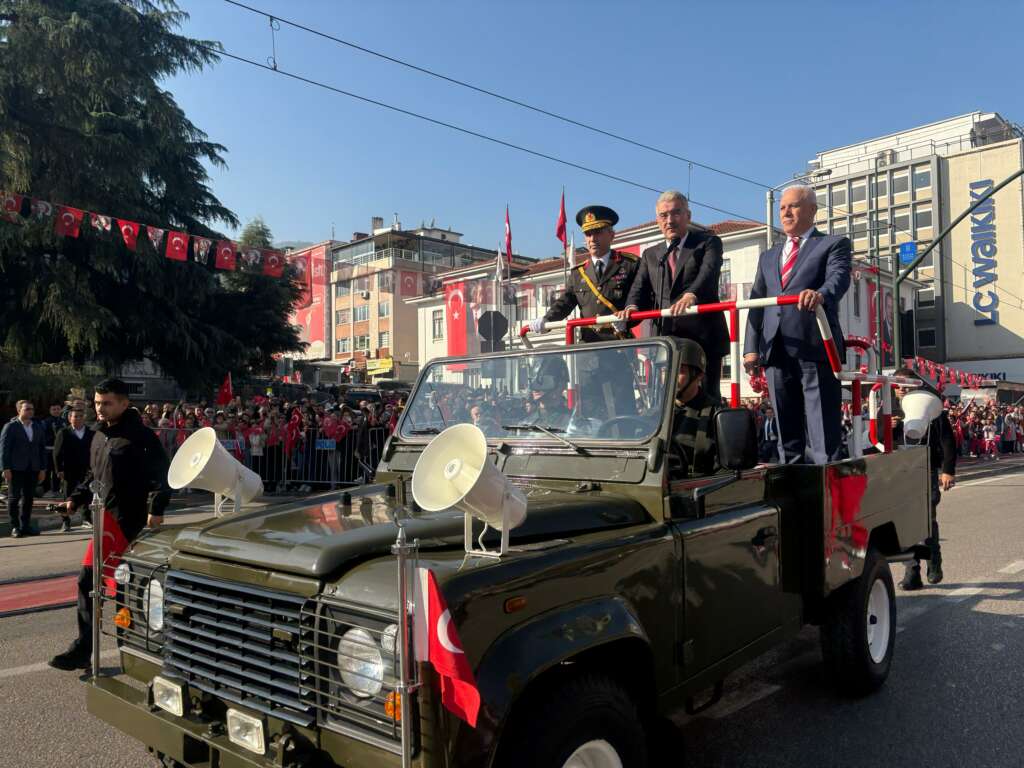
{"x": 562, "y": 396}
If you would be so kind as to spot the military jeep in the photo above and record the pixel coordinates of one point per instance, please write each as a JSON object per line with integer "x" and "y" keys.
{"x": 275, "y": 637}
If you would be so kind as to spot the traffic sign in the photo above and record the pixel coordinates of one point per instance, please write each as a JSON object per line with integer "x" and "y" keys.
{"x": 908, "y": 252}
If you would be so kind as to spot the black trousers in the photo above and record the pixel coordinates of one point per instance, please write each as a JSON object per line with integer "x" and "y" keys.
{"x": 22, "y": 492}
{"x": 85, "y": 608}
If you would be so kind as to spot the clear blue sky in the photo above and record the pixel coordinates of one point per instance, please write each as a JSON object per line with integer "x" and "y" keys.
{"x": 752, "y": 87}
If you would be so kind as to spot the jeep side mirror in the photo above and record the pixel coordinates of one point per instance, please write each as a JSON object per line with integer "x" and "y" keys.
{"x": 736, "y": 435}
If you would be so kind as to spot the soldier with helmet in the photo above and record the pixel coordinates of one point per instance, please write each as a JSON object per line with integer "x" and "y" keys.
{"x": 547, "y": 390}
{"x": 693, "y": 439}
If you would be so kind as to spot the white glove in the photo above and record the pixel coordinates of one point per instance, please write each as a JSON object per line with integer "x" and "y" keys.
{"x": 619, "y": 327}
{"x": 537, "y": 326}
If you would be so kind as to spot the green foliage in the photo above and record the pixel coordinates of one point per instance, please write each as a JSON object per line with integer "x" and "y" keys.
{"x": 84, "y": 122}
{"x": 257, "y": 234}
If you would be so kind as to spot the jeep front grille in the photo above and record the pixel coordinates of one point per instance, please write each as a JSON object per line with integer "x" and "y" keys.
{"x": 240, "y": 643}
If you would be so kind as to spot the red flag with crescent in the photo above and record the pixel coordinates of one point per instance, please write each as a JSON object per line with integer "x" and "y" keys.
{"x": 455, "y": 317}
{"x": 177, "y": 246}
{"x": 10, "y": 206}
{"x": 225, "y": 255}
{"x": 410, "y": 283}
{"x": 273, "y": 263}
{"x": 130, "y": 233}
{"x": 68, "y": 221}
{"x": 560, "y": 224}
{"x": 437, "y": 642}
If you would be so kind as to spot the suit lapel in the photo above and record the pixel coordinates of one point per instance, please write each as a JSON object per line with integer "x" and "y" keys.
{"x": 774, "y": 256}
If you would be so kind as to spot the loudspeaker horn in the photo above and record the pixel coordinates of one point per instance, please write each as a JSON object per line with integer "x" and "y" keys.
{"x": 454, "y": 471}
{"x": 920, "y": 408}
{"x": 202, "y": 462}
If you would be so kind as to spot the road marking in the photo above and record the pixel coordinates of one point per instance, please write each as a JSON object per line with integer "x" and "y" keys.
{"x": 42, "y": 666}
{"x": 1013, "y": 568}
{"x": 962, "y": 593}
{"x": 989, "y": 480}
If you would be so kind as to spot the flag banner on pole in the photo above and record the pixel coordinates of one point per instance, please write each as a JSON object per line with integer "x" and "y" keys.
{"x": 129, "y": 232}
{"x": 273, "y": 263}
{"x": 177, "y": 246}
{"x": 68, "y": 221}
{"x": 560, "y": 224}
{"x": 508, "y": 241}
{"x": 455, "y": 318}
{"x": 225, "y": 394}
{"x": 225, "y": 255}
{"x": 437, "y": 643}
{"x": 10, "y": 206}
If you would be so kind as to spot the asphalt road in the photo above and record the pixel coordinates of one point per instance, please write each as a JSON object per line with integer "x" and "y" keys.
{"x": 954, "y": 697}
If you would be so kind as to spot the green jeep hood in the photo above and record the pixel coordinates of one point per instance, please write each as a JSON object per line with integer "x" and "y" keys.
{"x": 317, "y": 539}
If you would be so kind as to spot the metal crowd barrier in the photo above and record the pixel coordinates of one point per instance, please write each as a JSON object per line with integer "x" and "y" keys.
{"x": 308, "y": 458}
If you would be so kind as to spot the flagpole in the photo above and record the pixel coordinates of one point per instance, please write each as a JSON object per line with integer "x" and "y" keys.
{"x": 565, "y": 253}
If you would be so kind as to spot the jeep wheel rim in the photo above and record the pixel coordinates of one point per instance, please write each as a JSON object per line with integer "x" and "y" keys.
{"x": 878, "y": 615}
{"x": 594, "y": 754}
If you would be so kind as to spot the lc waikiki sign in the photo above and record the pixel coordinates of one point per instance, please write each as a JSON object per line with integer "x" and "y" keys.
{"x": 984, "y": 250}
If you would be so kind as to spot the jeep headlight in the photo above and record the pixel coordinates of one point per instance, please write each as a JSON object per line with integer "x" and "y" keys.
{"x": 123, "y": 574}
{"x": 153, "y": 605}
{"x": 360, "y": 663}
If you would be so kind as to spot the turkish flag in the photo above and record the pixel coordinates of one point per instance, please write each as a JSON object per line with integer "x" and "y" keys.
{"x": 130, "y": 233}
{"x": 177, "y": 246}
{"x": 437, "y": 641}
{"x": 560, "y": 224}
{"x": 455, "y": 317}
{"x": 225, "y": 255}
{"x": 225, "y": 394}
{"x": 410, "y": 283}
{"x": 508, "y": 241}
{"x": 10, "y": 206}
{"x": 68, "y": 221}
{"x": 273, "y": 263}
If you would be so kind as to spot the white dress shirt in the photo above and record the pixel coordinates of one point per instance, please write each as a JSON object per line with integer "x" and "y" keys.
{"x": 788, "y": 247}
{"x": 604, "y": 262}
{"x": 80, "y": 433}
{"x": 28, "y": 430}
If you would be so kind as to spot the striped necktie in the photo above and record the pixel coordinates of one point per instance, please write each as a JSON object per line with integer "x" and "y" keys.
{"x": 790, "y": 263}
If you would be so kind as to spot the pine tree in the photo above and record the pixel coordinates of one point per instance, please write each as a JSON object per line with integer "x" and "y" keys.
{"x": 84, "y": 122}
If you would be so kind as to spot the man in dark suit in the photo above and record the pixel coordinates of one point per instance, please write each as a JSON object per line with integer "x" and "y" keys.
{"x": 786, "y": 341}
{"x": 23, "y": 459}
{"x": 678, "y": 273}
{"x": 599, "y": 287}
{"x": 71, "y": 459}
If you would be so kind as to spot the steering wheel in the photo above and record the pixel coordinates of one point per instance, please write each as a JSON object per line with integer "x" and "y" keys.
{"x": 639, "y": 427}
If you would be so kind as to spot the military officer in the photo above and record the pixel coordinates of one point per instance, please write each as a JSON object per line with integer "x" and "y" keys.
{"x": 693, "y": 439}
{"x": 601, "y": 284}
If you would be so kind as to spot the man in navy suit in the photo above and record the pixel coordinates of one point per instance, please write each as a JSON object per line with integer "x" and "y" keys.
{"x": 785, "y": 340}
{"x": 23, "y": 458}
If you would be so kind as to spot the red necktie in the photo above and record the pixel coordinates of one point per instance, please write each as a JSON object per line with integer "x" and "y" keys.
{"x": 790, "y": 264}
{"x": 672, "y": 262}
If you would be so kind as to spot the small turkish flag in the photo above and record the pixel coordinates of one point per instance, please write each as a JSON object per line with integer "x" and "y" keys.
{"x": 225, "y": 255}
{"x": 177, "y": 246}
{"x": 224, "y": 394}
{"x": 155, "y": 235}
{"x": 560, "y": 224}
{"x": 10, "y": 206}
{"x": 130, "y": 233}
{"x": 273, "y": 263}
{"x": 68, "y": 221}
{"x": 438, "y": 642}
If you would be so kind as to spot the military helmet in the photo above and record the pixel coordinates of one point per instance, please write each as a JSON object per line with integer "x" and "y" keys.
{"x": 692, "y": 354}
{"x": 551, "y": 375}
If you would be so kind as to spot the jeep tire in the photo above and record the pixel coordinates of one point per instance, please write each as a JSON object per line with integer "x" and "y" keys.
{"x": 858, "y": 633}
{"x": 587, "y": 720}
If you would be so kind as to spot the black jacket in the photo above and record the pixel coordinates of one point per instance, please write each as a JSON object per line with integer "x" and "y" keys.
{"x": 698, "y": 271}
{"x": 17, "y": 453}
{"x": 941, "y": 443}
{"x": 71, "y": 454}
{"x": 129, "y": 461}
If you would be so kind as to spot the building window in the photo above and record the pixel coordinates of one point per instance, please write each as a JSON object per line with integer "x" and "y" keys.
{"x": 881, "y": 186}
{"x": 361, "y": 313}
{"x": 860, "y": 227}
{"x": 926, "y": 297}
{"x": 384, "y": 340}
{"x": 926, "y": 261}
{"x": 821, "y": 198}
{"x": 900, "y": 183}
{"x": 856, "y": 298}
{"x": 437, "y": 323}
{"x": 839, "y": 196}
{"x": 926, "y": 337}
{"x": 922, "y": 178}
{"x": 363, "y": 342}
{"x": 361, "y": 284}
{"x": 341, "y": 317}
{"x": 342, "y": 288}
{"x": 923, "y": 216}
{"x": 343, "y": 345}
{"x": 136, "y": 387}
{"x": 858, "y": 192}
{"x": 901, "y": 220}
{"x": 386, "y": 281}
{"x": 384, "y": 309}
{"x": 839, "y": 227}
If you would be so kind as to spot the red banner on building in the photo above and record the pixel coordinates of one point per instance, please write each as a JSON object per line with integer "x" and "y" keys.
{"x": 455, "y": 317}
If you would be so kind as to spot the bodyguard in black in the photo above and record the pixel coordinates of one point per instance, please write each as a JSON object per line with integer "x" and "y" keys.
{"x": 71, "y": 458}
{"x": 127, "y": 460}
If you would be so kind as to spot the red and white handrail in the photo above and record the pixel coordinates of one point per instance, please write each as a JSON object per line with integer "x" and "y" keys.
{"x": 732, "y": 309}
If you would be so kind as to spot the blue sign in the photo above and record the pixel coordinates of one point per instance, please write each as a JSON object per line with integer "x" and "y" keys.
{"x": 908, "y": 252}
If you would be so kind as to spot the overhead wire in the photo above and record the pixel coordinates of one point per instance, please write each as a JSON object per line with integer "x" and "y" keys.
{"x": 494, "y": 94}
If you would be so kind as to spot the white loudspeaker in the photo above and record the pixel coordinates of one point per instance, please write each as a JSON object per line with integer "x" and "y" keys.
{"x": 454, "y": 471}
{"x": 202, "y": 462}
{"x": 920, "y": 408}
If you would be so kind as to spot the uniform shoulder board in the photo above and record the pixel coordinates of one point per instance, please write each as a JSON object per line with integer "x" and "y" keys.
{"x": 627, "y": 255}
